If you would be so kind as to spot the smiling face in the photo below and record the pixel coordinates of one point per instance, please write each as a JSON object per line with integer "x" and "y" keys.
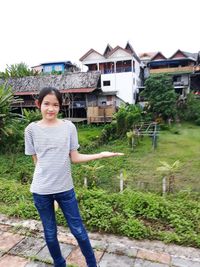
{"x": 50, "y": 108}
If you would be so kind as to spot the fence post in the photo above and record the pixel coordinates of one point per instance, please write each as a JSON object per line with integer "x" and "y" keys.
{"x": 121, "y": 183}
{"x": 164, "y": 185}
{"x": 154, "y": 137}
{"x": 85, "y": 182}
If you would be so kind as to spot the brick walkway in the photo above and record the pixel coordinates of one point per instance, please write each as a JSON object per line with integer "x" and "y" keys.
{"x": 22, "y": 245}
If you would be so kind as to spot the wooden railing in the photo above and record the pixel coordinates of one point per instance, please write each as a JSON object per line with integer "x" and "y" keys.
{"x": 99, "y": 119}
{"x": 171, "y": 70}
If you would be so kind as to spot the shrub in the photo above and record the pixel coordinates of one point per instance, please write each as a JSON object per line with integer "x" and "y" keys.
{"x": 133, "y": 214}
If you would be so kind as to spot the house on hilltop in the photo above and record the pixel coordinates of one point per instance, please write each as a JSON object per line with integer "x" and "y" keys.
{"x": 55, "y": 67}
{"x": 120, "y": 70}
{"x": 183, "y": 66}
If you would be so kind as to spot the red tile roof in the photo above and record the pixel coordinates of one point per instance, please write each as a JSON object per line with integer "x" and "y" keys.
{"x": 78, "y": 90}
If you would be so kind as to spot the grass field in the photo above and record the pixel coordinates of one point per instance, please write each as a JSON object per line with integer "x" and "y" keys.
{"x": 180, "y": 143}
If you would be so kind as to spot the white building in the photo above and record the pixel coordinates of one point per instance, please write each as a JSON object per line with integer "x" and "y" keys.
{"x": 120, "y": 73}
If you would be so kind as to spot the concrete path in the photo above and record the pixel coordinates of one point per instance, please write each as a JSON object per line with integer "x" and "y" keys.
{"x": 22, "y": 245}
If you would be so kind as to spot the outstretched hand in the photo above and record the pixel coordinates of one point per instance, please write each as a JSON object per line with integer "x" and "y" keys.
{"x": 107, "y": 154}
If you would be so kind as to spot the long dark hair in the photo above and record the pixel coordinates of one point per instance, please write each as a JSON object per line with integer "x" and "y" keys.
{"x": 50, "y": 90}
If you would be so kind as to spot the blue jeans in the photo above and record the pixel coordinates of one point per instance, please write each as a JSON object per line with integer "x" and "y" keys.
{"x": 69, "y": 206}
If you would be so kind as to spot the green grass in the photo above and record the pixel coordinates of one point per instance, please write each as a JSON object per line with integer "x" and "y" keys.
{"x": 180, "y": 143}
{"x": 88, "y": 133}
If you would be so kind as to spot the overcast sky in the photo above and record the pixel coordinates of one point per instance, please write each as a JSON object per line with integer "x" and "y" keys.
{"x": 38, "y": 31}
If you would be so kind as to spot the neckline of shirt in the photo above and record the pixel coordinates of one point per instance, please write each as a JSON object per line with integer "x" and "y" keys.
{"x": 50, "y": 127}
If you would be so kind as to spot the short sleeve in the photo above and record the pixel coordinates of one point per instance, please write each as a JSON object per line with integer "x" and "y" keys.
{"x": 29, "y": 145}
{"x": 74, "y": 145}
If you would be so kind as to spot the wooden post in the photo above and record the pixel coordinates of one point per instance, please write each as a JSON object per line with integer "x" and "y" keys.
{"x": 85, "y": 182}
{"x": 121, "y": 182}
{"x": 154, "y": 137}
{"x": 164, "y": 186}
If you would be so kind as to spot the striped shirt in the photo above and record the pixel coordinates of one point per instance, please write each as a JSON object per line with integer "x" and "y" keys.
{"x": 52, "y": 146}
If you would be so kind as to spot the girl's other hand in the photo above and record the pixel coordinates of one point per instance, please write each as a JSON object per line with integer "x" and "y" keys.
{"x": 107, "y": 154}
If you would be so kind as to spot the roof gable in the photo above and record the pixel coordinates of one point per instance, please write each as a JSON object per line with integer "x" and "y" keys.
{"x": 148, "y": 55}
{"x": 91, "y": 54}
{"x": 119, "y": 52}
{"x": 158, "y": 56}
{"x": 129, "y": 48}
{"x": 178, "y": 54}
{"x": 107, "y": 50}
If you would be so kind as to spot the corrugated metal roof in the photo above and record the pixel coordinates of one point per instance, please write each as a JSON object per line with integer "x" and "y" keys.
{"x": 26, "y": 93}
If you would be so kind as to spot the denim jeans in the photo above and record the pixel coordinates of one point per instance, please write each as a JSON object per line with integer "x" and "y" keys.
{"x": 69, "y": 206}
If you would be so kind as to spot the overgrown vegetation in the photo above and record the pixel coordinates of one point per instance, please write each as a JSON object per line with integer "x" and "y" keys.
{"x": 189, "y": 109}
{"x": 9, "y": 122}
{"x": 17, "y": 71}
{"x": 161, "y": 97}
{"x": 123, "y": 121}
{"x": 174, "y": 218}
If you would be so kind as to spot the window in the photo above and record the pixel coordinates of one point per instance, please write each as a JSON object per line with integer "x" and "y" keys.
{"x": 106, "y": 83}
{"x": 177, "y": 78}
{"x": 58, "y": 67}
{"x": 47, "y": 68}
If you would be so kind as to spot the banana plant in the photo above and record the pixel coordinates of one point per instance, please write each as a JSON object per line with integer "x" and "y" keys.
{"x": 168, "y": 171}
{"x": 8, "y": 120}
{"x": 133, "y": 139}
{"x": 91, "y": 177}
{"x": 6, "y": 98}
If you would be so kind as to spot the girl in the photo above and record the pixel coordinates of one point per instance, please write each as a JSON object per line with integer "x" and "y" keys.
{"x": 53, "y": 144}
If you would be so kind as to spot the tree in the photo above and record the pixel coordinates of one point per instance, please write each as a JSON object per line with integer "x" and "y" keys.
{"x": 17, "y": 71}
{"x": 189, "y": 109}
{"x": 6, "y": 97}
{"x": 7, "y": 118}
{"x": 161, "y": 96}
{"x": 126, "y": 117}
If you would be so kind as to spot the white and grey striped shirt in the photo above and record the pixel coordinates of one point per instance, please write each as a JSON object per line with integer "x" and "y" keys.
{"x": 52, "y": 146}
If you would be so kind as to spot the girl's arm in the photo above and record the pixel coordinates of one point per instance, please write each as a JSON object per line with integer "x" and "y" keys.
{"x": 76, "y": 157}
{"x": 34, "y": 157}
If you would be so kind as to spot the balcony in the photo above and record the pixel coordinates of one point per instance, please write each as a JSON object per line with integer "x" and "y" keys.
{"x": 124, "y": 69}
{"x": 107, "y": 71}
{"x": 118, "y": 70}
{"x": 187, "y": 69}
{"x": 179, "y": 84}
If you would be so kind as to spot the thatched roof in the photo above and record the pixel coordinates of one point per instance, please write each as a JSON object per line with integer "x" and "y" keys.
{"x": 34, "y": 84}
